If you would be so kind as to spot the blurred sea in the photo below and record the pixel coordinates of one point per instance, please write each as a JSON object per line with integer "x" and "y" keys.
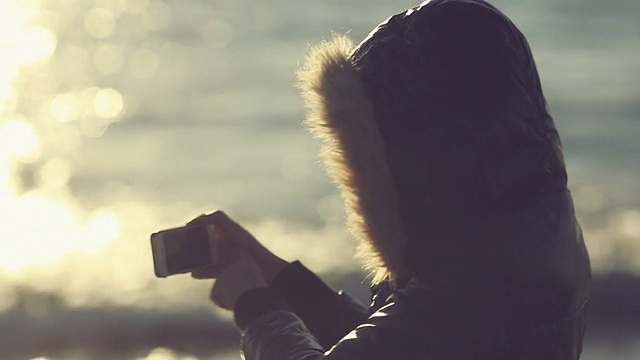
{"x": 122, "y": 117}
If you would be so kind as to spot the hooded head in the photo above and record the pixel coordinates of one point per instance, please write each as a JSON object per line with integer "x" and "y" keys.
{"x": 435, "y": 119}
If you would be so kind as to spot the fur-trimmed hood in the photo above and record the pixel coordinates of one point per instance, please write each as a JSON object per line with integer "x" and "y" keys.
{"x": 437, "y": 117}
{"x": 341, "y": 115}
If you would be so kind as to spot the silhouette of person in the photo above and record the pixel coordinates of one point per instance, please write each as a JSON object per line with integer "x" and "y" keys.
{"x": 451, "y": 168}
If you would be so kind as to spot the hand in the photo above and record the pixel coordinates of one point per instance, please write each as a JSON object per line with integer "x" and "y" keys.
{"x": 238, "y": 277}
{"x": 233, "y": 236}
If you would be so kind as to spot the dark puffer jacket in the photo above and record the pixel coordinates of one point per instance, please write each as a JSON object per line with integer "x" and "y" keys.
{"x": 451, "y": 168}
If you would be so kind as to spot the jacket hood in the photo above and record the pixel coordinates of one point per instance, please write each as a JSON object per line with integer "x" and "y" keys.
{"x": 436, "y": 117}
{"x": 341, "y": 115}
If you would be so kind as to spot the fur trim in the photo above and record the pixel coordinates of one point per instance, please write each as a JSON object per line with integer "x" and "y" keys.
{"x": 341, "y": 115}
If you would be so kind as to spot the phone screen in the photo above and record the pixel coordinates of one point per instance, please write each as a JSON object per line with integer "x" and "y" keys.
{"x": 186, "y": 248}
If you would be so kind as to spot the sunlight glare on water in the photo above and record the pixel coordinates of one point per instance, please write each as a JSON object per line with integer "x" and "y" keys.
{"x": 165, "y": 354}
{"x": 37, "y": 229}
{"x": 108, "y": 59}
{"x": 119, "y": 118}
{"x": 108, "y": 103}
{"x": 17, "y": 139}
{"x": 99, "y": 22}
{"x": 144, "y": 64}
{"x": 41, "y": 225}
{"x": 51, "y": 240}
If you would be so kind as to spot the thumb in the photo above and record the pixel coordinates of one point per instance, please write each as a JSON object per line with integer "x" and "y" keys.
{"x": 240, "y": 276}
{"x": 219, "y": 297}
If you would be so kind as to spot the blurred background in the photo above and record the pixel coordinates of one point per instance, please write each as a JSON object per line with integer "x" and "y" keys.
{"x": 122, "y": 117}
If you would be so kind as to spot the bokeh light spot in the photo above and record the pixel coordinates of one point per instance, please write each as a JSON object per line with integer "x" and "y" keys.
{"x": 102, "y": 228}
{"x": 37, "y": 221}
{"x": 108, "y": 103}
{"x": 8, "y": 96}
{"x": 91, "y": 123}
{"x": 17, "y": 138}
{"x": 99, "y": 22}
{"x": 630, "y": 224}
{"x": 50, "y": 228}
{"x": 65, "y": 107}
{"x": 55, "y": 173}
{"x": 165, "y": 354}
{"x": 35, "y": 45}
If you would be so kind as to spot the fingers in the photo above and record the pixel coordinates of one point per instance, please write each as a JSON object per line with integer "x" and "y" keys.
{"x": 226, "y": 228}
{"x": 201, "y": 219}
{"x": 231, "y": 236}
{"x": 239, "y": 277}
{"x": 217, "y": 217}
{"x": 223, "y": 223}
{"x": 218, "y": 296}
{"x": 211, "y": 272}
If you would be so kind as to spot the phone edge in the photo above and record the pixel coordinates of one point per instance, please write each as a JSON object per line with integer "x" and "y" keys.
{"x": 159, "y": 252}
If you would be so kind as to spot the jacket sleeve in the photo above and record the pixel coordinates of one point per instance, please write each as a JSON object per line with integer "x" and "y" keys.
{"x": 455, "y": 324}
{"x": 328, "y": 315}
{"x": 281, "y": 335}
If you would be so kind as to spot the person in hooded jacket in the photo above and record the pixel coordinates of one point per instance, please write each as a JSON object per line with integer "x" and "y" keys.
{"x": 451, "y": 168}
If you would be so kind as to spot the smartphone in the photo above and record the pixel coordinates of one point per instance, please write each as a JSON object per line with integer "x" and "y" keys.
{"x": 183, "y": 249}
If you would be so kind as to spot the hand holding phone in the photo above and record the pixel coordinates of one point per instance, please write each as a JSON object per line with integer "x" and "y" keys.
{"x": 213, "y": 246}
{"x": 232, "y": 235}
{"x": 210, "y": 250}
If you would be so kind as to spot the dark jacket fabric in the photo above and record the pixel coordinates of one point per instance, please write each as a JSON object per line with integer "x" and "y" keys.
{"x": 435, "y": 316}
{"x": 436, "y": 129}
{"x": 426, "y": 319}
